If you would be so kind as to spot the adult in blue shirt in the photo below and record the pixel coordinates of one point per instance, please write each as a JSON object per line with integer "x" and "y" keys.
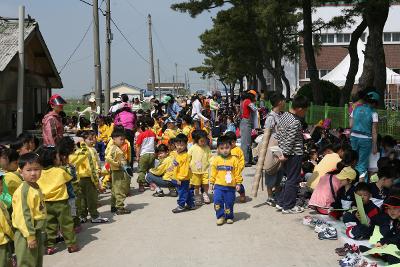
{"x": 364, "y": 132}
{"x": 173, "y": 108}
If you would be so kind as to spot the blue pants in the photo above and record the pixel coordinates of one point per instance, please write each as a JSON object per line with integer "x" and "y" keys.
{"x": 101, "y": 148}
{"x": 363, "y": 146}
{"x": 292, "y": 169}
{"x": 224, "y": 199}
{"x": 242, "y": 190}
{"x": 184, "y": 195}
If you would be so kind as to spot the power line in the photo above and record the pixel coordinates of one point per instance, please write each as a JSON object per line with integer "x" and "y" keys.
{"x": 162, "y": 45}
{"x": 77, "y": 47}
{"x": 134, "y": 8}
{"x": 130, "y": 44}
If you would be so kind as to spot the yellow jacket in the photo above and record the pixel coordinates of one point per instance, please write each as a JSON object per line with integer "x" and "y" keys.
{"x": 126, "y": 148}
{"x": 80, "y": 158}
{"x": 164, "y": 169}
{"x": 115, "y": 157}
{"x": 13, "y": 180}
{"x": 52, "y": 183}
{"x": 224, "y": 168}
{"x": 6, "y": 233}
{"x": 104, "y": 133}
{"x": 238, "y": 152}
{"x": 199, "y": 159}
{"x": 182, "y": 166}
{"x": 29, "y": 210}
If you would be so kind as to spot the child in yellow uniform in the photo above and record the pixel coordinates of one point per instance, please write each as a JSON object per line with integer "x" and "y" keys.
{"x": 29, "y": 214}
{"x": 103, "y": 136}
{"x": 170, "y": 132}
{"x": 12, "y": 177}
{"x": 88, "y": 168}
{"x": 187, "y": 127}
{"x": 181, "y": 178}
{"x": 238, "y": 153}
{"x": 160, "y": 176}
{"x": 199, "y": 164}
{"x": 117, "y": 158}
{"x": 6, "y": 233}
{"x": 53, "y": 183}
{"x": 224, "y": 179}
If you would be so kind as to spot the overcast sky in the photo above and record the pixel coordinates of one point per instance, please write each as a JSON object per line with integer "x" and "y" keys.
{"x": 64, "y": 22}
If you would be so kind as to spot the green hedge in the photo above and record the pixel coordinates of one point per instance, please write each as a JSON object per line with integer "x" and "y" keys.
{"x": 330, "y": 93}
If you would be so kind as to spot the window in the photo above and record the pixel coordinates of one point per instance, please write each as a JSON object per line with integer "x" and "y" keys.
{"x": 396, "y": 37}
{"x": 322, "y": 73}
{"x": 331, "y": 38}
{"x": 343, "y": 37}
{"x": 115, "y": 95}
{"x": 323, "y": 38}
{"x": 387, "y": 37}
{"x": 307, "y": 75}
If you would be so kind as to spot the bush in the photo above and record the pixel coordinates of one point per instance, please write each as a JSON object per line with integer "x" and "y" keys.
{"x": 330, "y": 92}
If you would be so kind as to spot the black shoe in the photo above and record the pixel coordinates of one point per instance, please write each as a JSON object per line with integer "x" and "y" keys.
{"x": 190, "y": 207}
{"x": 178, "y": 209}
{"x": 247, "y": 165}
{"x": 159, "y": 194}
{"x": 123, "y": 211}
{"x": 59, "y": 239}
{"x": 172, "y": 192}
{"x": 113, "y": 209}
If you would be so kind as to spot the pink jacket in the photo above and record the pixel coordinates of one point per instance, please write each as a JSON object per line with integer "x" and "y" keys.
{"x": 322, "y": 196}
{"x": 126, "y": 119}
{"x": 52, "y": 128}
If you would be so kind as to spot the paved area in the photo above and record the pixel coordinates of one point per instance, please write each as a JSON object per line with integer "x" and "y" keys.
{"x": 153, "y": 236}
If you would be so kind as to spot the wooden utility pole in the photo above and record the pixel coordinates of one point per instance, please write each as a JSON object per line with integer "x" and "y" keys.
{"x": 159, "y": 84}
{"x": 21, "y": 70}
{"x": 176, "y": 78}
{"x": 174, "y": 85}
{"x": 152, "y": 75}
{"x": 107, "y": 82}
{"x": 96, "y": 51}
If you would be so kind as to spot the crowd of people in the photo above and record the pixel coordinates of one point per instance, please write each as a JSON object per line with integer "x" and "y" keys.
{"x": 52, "y": 185}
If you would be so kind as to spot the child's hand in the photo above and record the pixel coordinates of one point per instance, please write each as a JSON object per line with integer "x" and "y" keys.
{"x": 237, "y": 187}
{"x": 32, "y": 244}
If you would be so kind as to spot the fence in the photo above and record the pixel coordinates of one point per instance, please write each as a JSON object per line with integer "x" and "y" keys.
{"x": 389, "y": 121}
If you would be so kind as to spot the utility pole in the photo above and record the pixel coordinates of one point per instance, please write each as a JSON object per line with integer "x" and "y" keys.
{"x": 21, "y": 70}
{"x": 159, "y": 84}
{"x": 97, "y": 64}
{"x": 107, "y": 82}
{"x": 174, "y": 85}
{"x": 152, "y": 75}
{"x": 176, "y": 78}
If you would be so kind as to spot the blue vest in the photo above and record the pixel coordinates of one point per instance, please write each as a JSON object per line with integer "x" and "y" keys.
{"x": 362, "y": 120}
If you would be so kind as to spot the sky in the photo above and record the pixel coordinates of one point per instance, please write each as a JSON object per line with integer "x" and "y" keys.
{"x": 63, "y": 23}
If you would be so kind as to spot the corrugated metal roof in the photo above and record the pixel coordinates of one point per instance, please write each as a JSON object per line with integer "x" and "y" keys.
{"x": 9, "y": 40}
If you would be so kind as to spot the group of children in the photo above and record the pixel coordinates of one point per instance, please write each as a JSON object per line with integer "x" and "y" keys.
{"x": 51, "y": 190}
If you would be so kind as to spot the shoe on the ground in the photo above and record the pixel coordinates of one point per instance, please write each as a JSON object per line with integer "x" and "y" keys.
{"x": 278, "y": 208}
{"x": 190, "y": 207}
{"x": 59, "y": 238}
{"x": 220, "y": 221}
{"x": 178, "y": 209}
{"x": 113, "y": 209}
{"x": 83, "y": 219}
{"x": 311, "y": 221}
{"x": 198, "y": 200}
{"x": 271, "y": 202}
{"x": 330, "y": 233}
{"x": 294, "y": 210}
{"x": 364, "y": 263}
{"x": 242, "y": 198}
{"x": 141, "y": 188}
{"x": 206, "y": 198}
{"x": 172, "y": 192}
{"x": 123, "y": 211}
{"x": 51, "y": 251}
{"x": 159, "y": 194}
{"x": 321, "y": 227}
{"x": 73, "y": 248}
{"x": 351, "y": 259}
{"x": 229, "y": 221}
{"x": 100, "y": 220}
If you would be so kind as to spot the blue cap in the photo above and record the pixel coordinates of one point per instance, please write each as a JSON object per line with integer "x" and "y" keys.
{"x": 373, "y": 96}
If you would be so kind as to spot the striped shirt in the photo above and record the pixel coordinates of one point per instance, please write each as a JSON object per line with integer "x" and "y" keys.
{"x": 289, "y": 135}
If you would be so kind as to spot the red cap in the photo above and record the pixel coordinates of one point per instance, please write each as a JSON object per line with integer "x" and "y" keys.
{"x": 57, "y": 100}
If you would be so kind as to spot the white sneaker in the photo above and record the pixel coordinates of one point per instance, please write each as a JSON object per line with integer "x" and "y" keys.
{"x": 100, "y": 220}
{"x": 321, "y": 227}
{"x": 294, "y": 210}
{"x": 278, "y": 208}
{"x": 206, "y": 198}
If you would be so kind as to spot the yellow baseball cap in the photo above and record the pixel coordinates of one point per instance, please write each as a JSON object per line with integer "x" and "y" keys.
{"x": 347, "y": 173}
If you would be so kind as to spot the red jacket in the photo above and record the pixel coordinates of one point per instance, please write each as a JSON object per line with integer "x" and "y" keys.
{"x": 53, "y": 129}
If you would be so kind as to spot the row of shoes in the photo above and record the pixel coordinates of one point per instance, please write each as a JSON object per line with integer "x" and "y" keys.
{"x": 324, "y": 230}
{"x": 352, "y": 257}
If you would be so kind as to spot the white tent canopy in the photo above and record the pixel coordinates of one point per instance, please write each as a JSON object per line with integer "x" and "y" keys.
{"x": 339, "y": 73}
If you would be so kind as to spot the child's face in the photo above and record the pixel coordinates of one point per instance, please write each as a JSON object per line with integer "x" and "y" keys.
{"x": 171, "y": 125}
{"x": 119, "y": 141}
{"x": 202, "y": 142}
{"x": 24, "y": 149}
{"x": 365, "y": 195}
{"x": 162, "y": 155}
{"x": 180, "y": 147}
{"x": 171, "y": 147}
{"x": 31, "y": 172}
{"x": 3, "y": 162}
{"x": 387, "y": 183}
{"x": 393, "y": 212}
{"x": 12, "y": 166}
{"x": 224, "y": 150}
{"x": 91, "y": 140}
